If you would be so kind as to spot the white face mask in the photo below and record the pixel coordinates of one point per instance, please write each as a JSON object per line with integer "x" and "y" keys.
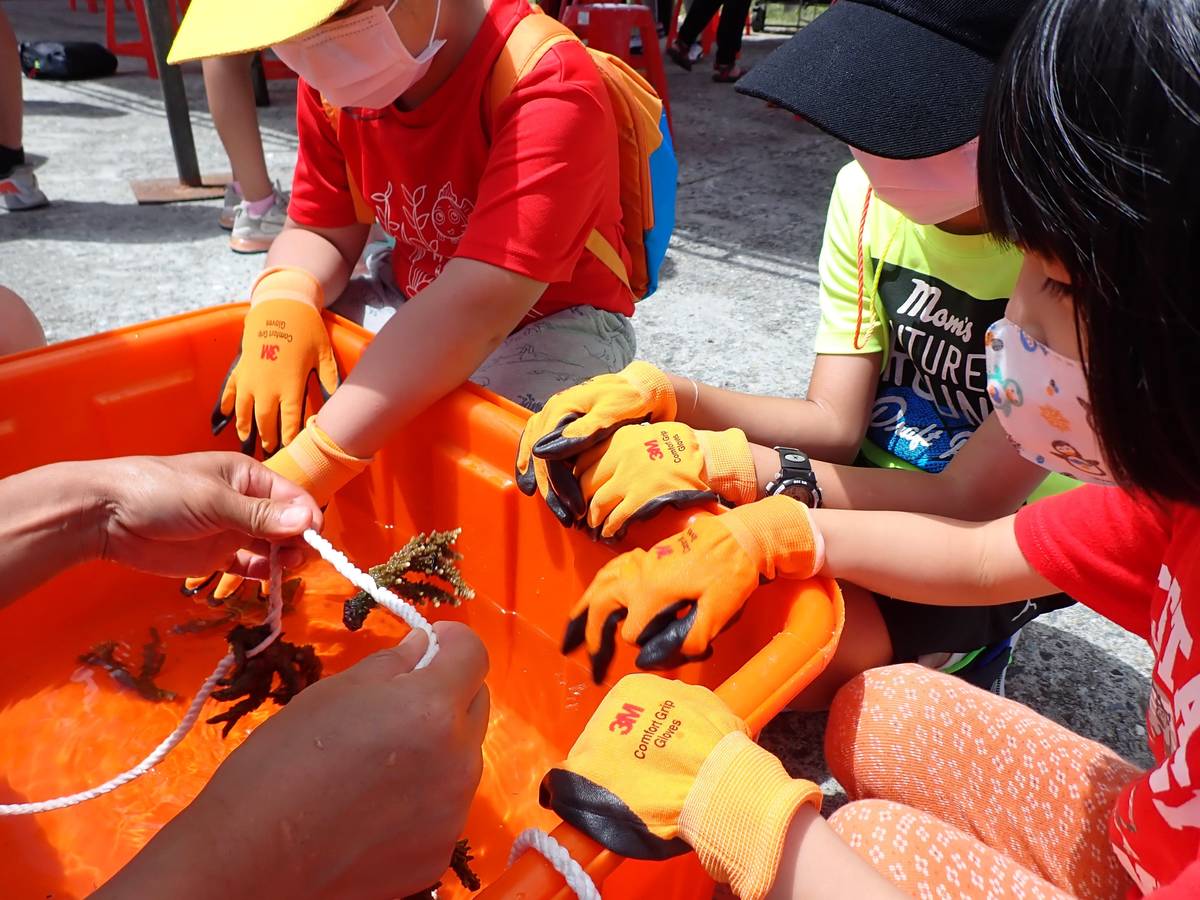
{"x": 929, "y": 190}
{"x": 1041, "y": 399}
{"x": 360, "y": 60}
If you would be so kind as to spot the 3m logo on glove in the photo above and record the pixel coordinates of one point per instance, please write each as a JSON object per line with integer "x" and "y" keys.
{"x": 653, "y": 450}
{"x": 626, "y": 718}
{"x": 270, "y": 352}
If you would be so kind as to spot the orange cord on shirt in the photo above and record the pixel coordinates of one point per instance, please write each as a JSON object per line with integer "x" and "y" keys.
{"x": 862, "y": 228}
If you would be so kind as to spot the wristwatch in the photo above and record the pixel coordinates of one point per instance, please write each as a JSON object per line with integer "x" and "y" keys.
{"x": 796, "y": 478}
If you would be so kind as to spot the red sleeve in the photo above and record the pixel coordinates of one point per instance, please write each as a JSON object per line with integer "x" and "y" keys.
{"x": 1100, "y": 546}
{"x": 1185, "y": 887}
{"x": 320, "y": 188}
{"x": 553, "y": 153}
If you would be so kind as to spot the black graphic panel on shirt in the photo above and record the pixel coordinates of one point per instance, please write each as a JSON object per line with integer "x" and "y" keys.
{"x": 933, "y": 392}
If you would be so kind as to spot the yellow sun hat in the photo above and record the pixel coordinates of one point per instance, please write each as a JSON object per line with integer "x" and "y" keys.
{"x": 224, "y": 27}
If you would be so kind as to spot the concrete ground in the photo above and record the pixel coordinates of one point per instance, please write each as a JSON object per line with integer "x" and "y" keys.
{"x": 737, "y": 307}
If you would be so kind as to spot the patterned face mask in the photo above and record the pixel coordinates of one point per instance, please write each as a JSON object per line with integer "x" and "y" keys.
{"x": 1041, "y": 398}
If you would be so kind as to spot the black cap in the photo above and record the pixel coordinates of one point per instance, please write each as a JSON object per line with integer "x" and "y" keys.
{"x": 897, "y": 78}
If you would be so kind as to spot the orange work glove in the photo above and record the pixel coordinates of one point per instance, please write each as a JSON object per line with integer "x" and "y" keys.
{"x": 581, "y": 417}
{"x": 674, "y": 598}
{"x": 312, "y": 461}
{"x": 663, "y": 766}
{"x": 643, "y": 468}
{"x": 284, "y": 341}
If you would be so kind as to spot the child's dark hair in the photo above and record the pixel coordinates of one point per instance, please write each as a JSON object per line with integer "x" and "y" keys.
{"x": 1090, "y": 155}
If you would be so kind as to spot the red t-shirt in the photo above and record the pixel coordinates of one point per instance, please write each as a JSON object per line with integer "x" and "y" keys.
{"x": 1137, "y": 562}
{"x": 521, "y": 192}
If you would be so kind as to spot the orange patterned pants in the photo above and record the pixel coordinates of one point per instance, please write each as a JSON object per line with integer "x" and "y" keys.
{"x": 962, "y": 794}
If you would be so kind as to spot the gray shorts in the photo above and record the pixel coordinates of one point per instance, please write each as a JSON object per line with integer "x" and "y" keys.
{"x": 532, "y": 364}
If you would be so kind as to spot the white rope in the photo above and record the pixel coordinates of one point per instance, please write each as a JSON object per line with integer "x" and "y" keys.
{"x": 381, "y": 595}
{"x": 532, "y": 838}
{"x": 172, "y": 740}
{"x": 556, "y": 854}
{"x": 274, "y": 617}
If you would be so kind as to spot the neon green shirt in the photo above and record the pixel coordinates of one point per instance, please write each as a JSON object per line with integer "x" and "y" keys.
{"x": 937, "y": 294}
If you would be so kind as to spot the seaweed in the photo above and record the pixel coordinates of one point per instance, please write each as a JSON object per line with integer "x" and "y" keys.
{"x": 104, "y": 656}
{"x": 416, "y": 572}
{"x": 460, "y": 864}
{"x": 251, "y": 680}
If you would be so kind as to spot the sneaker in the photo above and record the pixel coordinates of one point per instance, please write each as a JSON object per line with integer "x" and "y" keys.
{"x": 254, "y": 234}
{"x": 677, "y": 52}
{"x": 19, "y": 190}
{"x": 229, "y": 209}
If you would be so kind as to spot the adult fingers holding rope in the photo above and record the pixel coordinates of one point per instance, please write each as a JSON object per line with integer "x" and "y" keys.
{"x": 360, "y": 786}
{"x": 166, "y": 515}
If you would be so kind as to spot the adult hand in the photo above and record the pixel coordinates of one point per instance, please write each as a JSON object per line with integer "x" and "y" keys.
{"x": 312, "y": 462}
{"x": 663, "y": 766}
{"x": 284, "y": 341}
{"x": 674, "y": 598}
{"x": 180, "y": 514}
{"x": 358, "y": 787}
{"x": 581, "y": 417}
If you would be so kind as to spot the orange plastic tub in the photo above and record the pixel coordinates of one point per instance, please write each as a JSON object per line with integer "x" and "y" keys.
{"x": 64, "y": 727}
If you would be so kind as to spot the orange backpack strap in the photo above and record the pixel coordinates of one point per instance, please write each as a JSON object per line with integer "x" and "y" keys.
{"x": 363, "y": 212}
{"x": 524, "y": 49}
{"x": 526, "y": 45}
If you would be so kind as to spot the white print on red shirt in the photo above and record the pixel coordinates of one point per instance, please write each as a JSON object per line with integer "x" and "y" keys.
{"x": 1172, "y": 720}
{"x": 430, "y": 237}
{"x": 1172, "y": 642}
{"x": 1170, "y": 635}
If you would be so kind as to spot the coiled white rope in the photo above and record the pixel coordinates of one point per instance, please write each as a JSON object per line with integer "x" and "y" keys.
{"x": 556, "y": 854}
{"x": 172, "y": 740}
{"x": 532, "y": 838}
{"x": 274, "y": 617}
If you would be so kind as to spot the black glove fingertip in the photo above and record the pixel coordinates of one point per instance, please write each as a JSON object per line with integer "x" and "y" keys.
{"x": 565, "y": 519}
{"x": 575, "y": 633}
{"x": 663, "y": 637}
{"x": 564, "y": 483}
{"x": 608, "y": 645}
{"x": 552, "y": 444}
{"x": 219, "y": 421}
{"x": 527, "y": 480}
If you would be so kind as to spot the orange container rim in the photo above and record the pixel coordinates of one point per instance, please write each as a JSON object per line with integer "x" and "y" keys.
{"x": 756, "y": 692}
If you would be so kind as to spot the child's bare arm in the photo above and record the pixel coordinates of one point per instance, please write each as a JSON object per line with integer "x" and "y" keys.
{"x": 927, "y": 559}
{"x": 429, "y": 347}
{"x": 987, "y": 479}
{"x": 329, "y": 254}
{"x": 828, "y": 424}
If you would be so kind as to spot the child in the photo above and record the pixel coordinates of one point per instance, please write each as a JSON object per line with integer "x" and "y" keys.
{"x": 255, "y": 209}
{"x": 18, "y": 185}
{"x": 1087, "y": 162}
{"x": 19, "y": 327}
{"x": 910, "y": 282}
{"x": 491, "y": 211}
